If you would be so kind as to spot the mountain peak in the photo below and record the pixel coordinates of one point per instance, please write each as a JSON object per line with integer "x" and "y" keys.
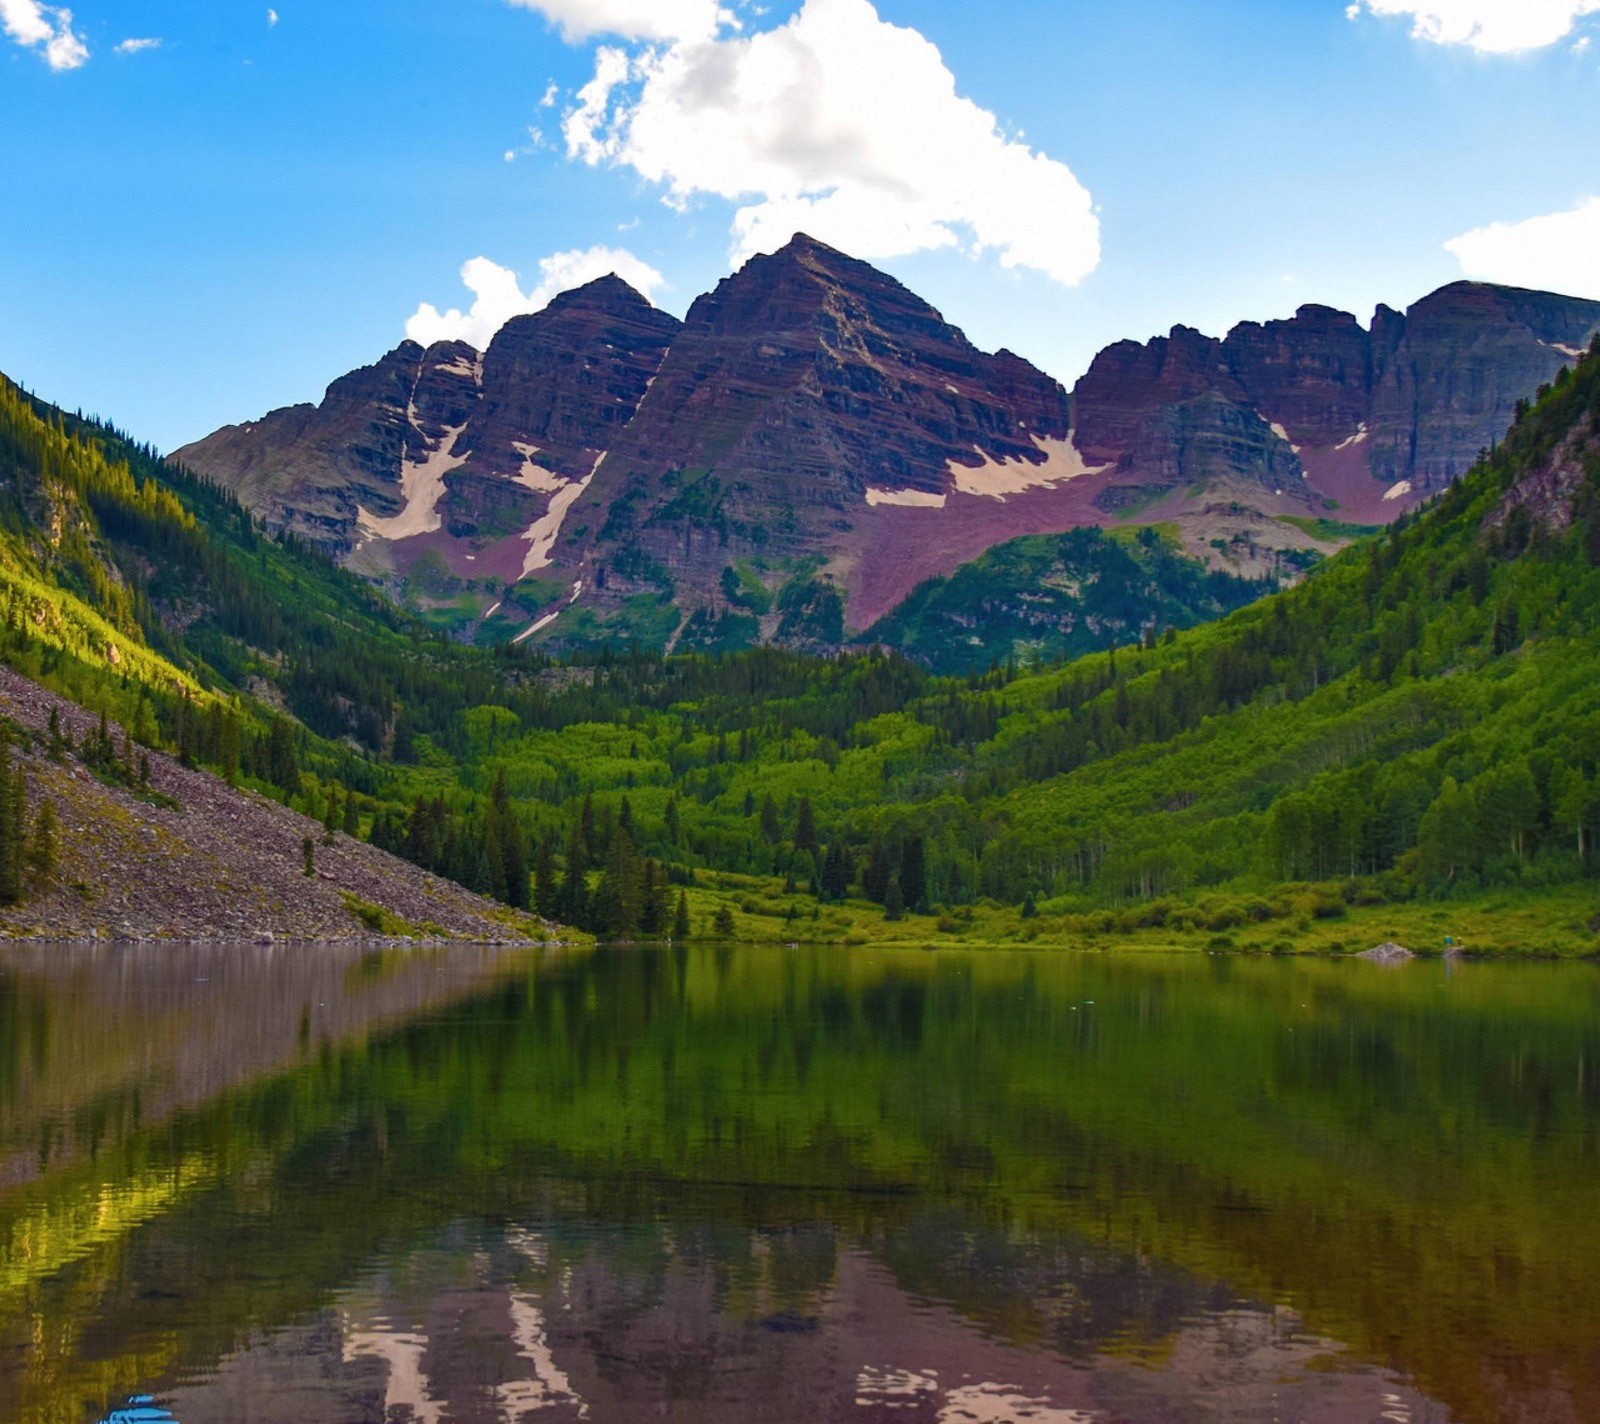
{"x": 806, "y": 254}
{"x": 802, "y": 243}
{"x": 608, "y": 293}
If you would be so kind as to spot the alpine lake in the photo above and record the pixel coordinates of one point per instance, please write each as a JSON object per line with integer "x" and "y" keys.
{"x": 315, "y": 1185}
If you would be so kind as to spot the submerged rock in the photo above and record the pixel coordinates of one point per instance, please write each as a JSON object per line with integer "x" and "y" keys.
{"x": 1387, "y": 953}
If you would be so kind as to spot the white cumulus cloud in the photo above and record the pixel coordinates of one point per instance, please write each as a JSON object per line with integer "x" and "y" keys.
{"x": 632, "y": 19}
{"x": 47, "y": 27}
{"x": 132, "y": 46}
{"x": 1559, "y": 252}
{"x": 1489, "y": 26}
{"x": 838, "y": 124}
{"x": 499, "y": 296}
{"x": 272, "y": 19}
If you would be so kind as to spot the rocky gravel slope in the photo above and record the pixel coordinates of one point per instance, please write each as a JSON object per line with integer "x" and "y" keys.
{"x": 225, "y": 864}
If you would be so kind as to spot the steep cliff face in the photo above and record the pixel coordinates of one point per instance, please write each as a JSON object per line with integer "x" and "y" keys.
{"x": 803, "y": 393}
{"x": 556, "y": 390}
{"x": 1312, "y": 374}
{"x": 1317, "y": 409}
{"x": 450, "y": 453}
{"x": 310, "y": 469}
{"x": 1466, "y": 355}
{"x": 815, "y": 440}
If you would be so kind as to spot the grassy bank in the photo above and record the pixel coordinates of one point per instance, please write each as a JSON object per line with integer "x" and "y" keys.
{"x": 1299, "y": 919}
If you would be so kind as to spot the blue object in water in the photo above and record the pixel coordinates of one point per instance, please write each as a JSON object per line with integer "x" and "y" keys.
{"x": 141, "y": 1409}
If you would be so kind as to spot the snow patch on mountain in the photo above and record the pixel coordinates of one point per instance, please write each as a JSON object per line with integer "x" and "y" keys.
{"x": 544, "y": 531}
{"x": 995, "y": 479}
{"x": 905, "y": 498}
{"x": 421, "y": 487}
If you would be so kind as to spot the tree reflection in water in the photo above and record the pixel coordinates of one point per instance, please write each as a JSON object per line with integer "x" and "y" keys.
{"x": 797, "y": 1185}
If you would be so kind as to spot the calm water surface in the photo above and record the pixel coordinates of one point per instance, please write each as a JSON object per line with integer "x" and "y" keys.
{"x": 267, "y": 1185}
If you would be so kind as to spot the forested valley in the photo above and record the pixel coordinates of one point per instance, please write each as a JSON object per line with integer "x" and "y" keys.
{"x": 1418, "y": 722}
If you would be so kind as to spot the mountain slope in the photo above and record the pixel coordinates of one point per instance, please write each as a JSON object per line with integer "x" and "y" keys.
{"x": 130, "y": 600}
{"x": 806, "y": 400}
{"x": 1045, "y": 597}
{"x": 186, "y": 856}
{"x": 1422, "y": 711}
{"x": 1416, "y": 722}
{"x": 443, "y": 474}
{"x": 1317, "y": 409}
{"x": 817, "y": 433}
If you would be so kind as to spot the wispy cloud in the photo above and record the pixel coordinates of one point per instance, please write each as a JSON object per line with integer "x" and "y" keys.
{"x": 46, "y": 28}
{"x": 835, "y": 123}
{"x": 499, "y": 296}
{"x": 1489, "y": 26}
{"x": 272, "y": 18}
{"x": 132, "y": 46}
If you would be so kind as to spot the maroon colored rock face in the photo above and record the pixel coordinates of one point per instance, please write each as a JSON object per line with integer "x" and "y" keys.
{"x": 566, "y": 382}
{"x": 814, "y": 419}
{"x": 1469, "y": 353}
{"x": 1312, "y": 375}
{"x": 445, "y": 450}
{"x": 802, "y": 384}
{"x": 556, "y": 390}
{"x": 1318, "y": 408}
{"x": 307, "y": 469}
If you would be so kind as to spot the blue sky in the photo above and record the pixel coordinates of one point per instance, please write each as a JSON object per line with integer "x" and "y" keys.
{"x": 202, "y": 228}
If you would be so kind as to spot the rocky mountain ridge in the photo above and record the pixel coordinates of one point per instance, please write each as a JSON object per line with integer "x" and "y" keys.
{"x": 814, "y": 440}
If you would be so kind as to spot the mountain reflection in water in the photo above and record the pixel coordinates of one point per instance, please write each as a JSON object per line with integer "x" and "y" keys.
{"x": 309, "y": 1185}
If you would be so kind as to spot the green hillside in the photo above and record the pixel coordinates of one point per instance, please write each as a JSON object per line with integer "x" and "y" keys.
{"x": 1417, "y": 724}
{"x": 1049, "y": 596}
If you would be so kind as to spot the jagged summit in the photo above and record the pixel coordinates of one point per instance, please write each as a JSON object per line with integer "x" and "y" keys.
{"x": 813, "y": 419}
{"x": 609, "y": 293}
{"x": 807, "y": 398}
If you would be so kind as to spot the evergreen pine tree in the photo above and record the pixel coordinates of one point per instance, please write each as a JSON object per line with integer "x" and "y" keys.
{"x": 655, "y": 910}
{"x": 914, "y": 873}
{"x": 805, "y": 826}
{"x": 189, "y": 737}
{"x": 573, "y": 908}
{"x": 19, "y": 834}
{"x": 514, "y": 859}
{"x": 894, "y": 901}
{"x": 42, "y": 848}
{"x": 619, "y": 897}
{"x": 680, "y": 921}
{"x": 838, "y": 870}
{"x": 875, "y": 878}
{"x": 228, "y": 755}
{"x": 495, "y": 851}
{"x": 545, "y": 890}
{"x": 482, "y": 880}
{"x": 283, "y": 763}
